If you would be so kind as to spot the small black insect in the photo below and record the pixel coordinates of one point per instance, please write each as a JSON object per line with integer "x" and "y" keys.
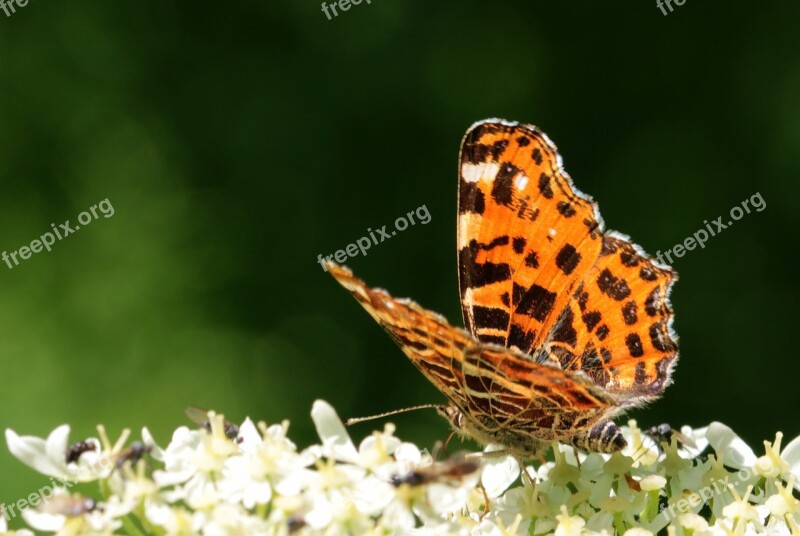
{"x": 75, "y": 450}
{"x": 200, "y": 417}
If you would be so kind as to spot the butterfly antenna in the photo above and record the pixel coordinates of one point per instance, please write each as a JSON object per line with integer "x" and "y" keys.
{"x": 356, "y": 420}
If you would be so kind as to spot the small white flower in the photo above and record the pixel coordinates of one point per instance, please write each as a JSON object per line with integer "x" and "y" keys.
{"x": 783, "y": 503}
{"x": 653, "y": 482}
{"x": 568, "y": 525}
{"x": 741, "y": 512}
{"x": 49, "y": 456}
{"x": 693, "y": 522}
{"x": 203, "y": 482}
{"x": 196, "y": 459}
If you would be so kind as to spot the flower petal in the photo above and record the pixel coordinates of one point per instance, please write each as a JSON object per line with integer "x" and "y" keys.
{"x": 32, "y": 451}
{"x": 43, "y": 521}
{"x": 498, "y": 474}
{"x": 791, "y": 455}
{"x": 734, "y": 451}
{"x": 156, "y": 452}
{"x": 332, "y": 432}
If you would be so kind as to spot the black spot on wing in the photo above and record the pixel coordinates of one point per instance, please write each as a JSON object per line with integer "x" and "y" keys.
{"x": 583, "y": 297}
{"x": 565, "y": 209}
{"x": 659, "y": 336}
{"x": 519, "y": 338}
{"x": 634, "y": 344}
{"x": 471, "y": 198}
{"x": 615, "y": 287}
{"x": 518, "y": 244}
{"x": 536, "y": 301}
{"x": 602, "y": 332}
{"x": 568, "y": 258}
{"x": 647, "y": 274}
{"x": 629, "y": 258}
{"x": 652, "y": 302}
{"x": 629, "y": 313}
{"x": 489, "y": 317}
{"x": 565, "y": 331}
{"x": 476, "y": 274}
{"x": 544, "y": 186}
{"x": 532, "y": 260}
{"x": 537, "y": 156}
{"x": 501, "y": 186}
{"x": 475, "y": 153}
{"x": 523, "y": 141}
{"x": 591, "y": 319}
{"x": 497, "y": 149}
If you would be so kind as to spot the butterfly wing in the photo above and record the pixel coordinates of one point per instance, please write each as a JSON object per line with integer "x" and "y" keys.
{"x": 493, "y": 385}
{"x": 538, "y": 273}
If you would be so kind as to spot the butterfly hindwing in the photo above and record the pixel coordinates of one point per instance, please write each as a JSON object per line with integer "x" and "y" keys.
{"x": 494, "y": 383}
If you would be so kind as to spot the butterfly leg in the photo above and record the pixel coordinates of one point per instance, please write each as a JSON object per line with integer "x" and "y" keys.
{"x": 525, "y": 474}
{"x": 605, "y": 437}
{"x": 577, "y": 458}
{"x": 485, "y": 501}
{"x": 447, "y": 442}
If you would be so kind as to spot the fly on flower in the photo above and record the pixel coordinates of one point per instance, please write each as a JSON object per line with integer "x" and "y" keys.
{"x": 67, "y": 505}
{"x": 200, "y": 417}
{"x": 663, "y": 433}
{"x": 452, "y": 470}
{"x": 132, "y": 454}
{"x": 75, "y": 450}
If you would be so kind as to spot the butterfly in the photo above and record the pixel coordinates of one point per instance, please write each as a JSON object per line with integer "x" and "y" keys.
{"x": 568, "y": 324}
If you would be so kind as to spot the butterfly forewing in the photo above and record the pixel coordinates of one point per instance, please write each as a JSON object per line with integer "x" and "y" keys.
{"x": 539, "y": 273}
{"x": 525, "y": 235}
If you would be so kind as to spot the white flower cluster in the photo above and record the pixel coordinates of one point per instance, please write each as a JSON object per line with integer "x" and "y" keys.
{"x": 255, "y": 481}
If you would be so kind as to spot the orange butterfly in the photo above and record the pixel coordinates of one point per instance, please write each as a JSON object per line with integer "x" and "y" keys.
{"x": 568, "y": 325}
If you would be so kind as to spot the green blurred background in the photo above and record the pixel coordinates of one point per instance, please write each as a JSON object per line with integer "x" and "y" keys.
{"x": 236, "y": 142}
